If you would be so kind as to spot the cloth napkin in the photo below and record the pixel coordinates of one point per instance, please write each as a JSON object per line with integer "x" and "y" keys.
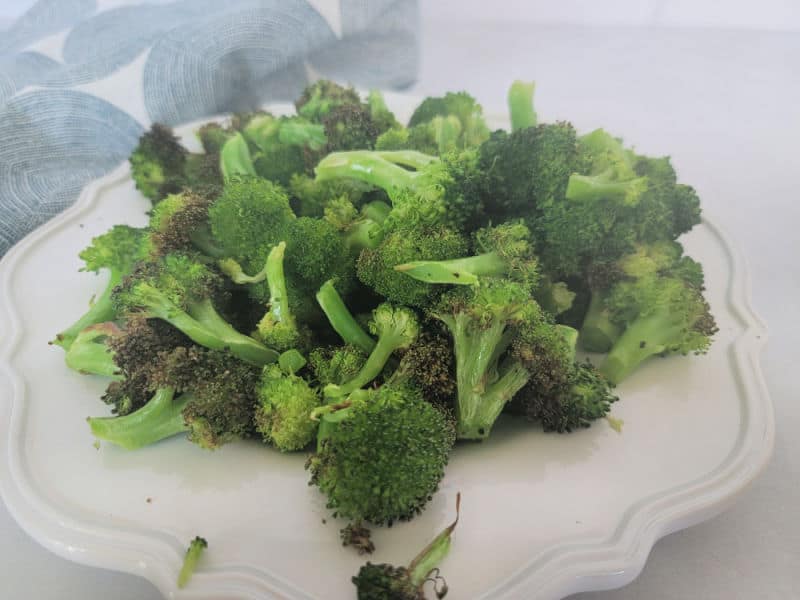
{"x": 80, "y": 80}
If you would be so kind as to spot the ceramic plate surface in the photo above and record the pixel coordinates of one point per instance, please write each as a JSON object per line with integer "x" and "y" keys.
{"x": 543, "y": 515}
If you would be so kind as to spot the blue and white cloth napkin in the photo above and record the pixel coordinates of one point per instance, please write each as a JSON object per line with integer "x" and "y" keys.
{"x": 80, "y": 80}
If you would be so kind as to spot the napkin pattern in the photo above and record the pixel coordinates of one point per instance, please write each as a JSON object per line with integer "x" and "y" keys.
{"x": 80, "y": 80}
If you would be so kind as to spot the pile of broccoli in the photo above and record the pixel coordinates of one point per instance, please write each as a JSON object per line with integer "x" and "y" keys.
{"x": 338, "y": 283}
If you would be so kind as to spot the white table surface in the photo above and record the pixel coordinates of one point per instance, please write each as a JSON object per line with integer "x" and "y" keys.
{"x": 726, "y": 107}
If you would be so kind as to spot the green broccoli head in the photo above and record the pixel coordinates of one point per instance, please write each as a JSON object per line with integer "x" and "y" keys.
{"x": 118, "y": 249}
{"x": 374, "y": 470}
{"x": 158, "y": 163}
{"x": 382, "y": 581}
{"x": 318, "y": 99}
{"x": 659, "y": 315}
{"x": 316, "y": 252}
{"x": 350, "y": 127}
{"x": 179, "y": 223}
{"x": 460, "y": 105}
{"x": 283, "y": 415}
{"x": 311, "y": 197}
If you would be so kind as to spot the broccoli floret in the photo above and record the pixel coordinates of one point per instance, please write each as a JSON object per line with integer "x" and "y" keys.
{"x": 372, "y": 468}
{"x": 316, "y": 252}
{"x": 460, "y": 105}
{"x": 133, "y": 349}
{"x": 318, "y": 99}
{"x": 213, "y": 137}
{"x": 283, "y": 415}
{"x": 561, "y": 393}
{"x": 207, "y": 394}
{"x": 396, "y": 329}
{"x": 384, "y": 581}
{"x": 506, "y": 250}
{"x": 429, "y": 365}
{"x": 181, "y": 291}
{"x": 482, "y": 321}
{"x": 440, "y": 192}
{"x": 235, "y": 158}
{"x": 116, "y": 251}
{"x": 659, "y": 315}
{"x": 158, "y": 163}
{"x": 179, "y": 223}
{"x": 376, "y": 266}
{"x": 336, "y": 365}
{"x": 383, "y": 117}
{"x": 310, "y": 197}
{"x": 196, "y": 548}
{"x": 350, "y": 127}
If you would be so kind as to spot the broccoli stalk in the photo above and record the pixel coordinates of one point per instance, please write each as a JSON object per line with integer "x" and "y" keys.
{"x": 598, "y": 332}
{"x": 160, "y": 418}
{"x": 90, "y": 354}
{"x": 193, "y": 554}
{"x": 377, "y": 582}
{"x": 342, "y": 320}
{"x": 278, "y": 327}
{"x": 397, "y": 328}
{"x": 520, "y": 105}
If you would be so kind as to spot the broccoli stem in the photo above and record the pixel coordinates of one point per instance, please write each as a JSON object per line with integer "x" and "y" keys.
{"x": 276, "y": 280}
{"x": 235, "y": 159}
{"x": 598, "y": 333}
{"x": 204, "y": 241}
{"x": 364, "y": 234}
{"x": 89, "y": 356}
{"x": 342, "y": 320}
{"x": 591, "y": 188}
{"x": 160, "y": 418}
{"x": 376, "y": 211}
{"x": 373, "y": 366}
{"x": 645, "y": 337}
{"x": 100, "y": 311}
{"x": 461, "y": 271}
{"x": 520, "y": 105}
{"x": 365, "y": 166}
{"x": 407, "y": 158}
{"x": 193, "y": 554}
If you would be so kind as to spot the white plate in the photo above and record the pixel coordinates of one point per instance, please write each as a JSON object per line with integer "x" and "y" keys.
{"x": 543, "y": 515}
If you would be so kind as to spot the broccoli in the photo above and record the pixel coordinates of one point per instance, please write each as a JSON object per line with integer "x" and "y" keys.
{"x": 180, "y": 290}
{"x": 380, "y": 454}
{"x": 439, "y": 192}
{"x": 350, "y": 127}
{"x": 283, "y": 415}
{"x": 561, "y": 393}
{"x": 376, "y": 267}
{"x": 116, "y": 251}
{"x": 520, "y": 105}
{"x": 659, "y": 314}
{"x": 208, "y": 394}
{"x": 179, "y": 223}
{"x": 384, "y": 581}
{"x": 361, "y": 229}
{"x": 235, "y": 159}
{"x": 89, "y": 353}
{"x": 342, "y": 320}
{"x": 462, "y": 108}
{"x": 318, "y": 99}
{"x": 482, "y": 321}
{"x": 133, "y": 349}
{"x": 310, "y": 198}
{"x": 193, "y": 554}
{"x": 336, "y": 365}
{"x": 429, "y": 365}
{"x": 383, "y": 117}
{"x": 157, "y": 163}
{"x": 357, "y": 536}
{"x": 506, "y": 251}
{"x": 396, "y": 328}
{"x": 160, "y": 165}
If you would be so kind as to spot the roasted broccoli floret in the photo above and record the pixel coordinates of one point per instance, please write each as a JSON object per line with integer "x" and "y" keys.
{"x": 384, "y": 581}
{"x": 181, "y": 291}
{"x": 283, "y": 415}
{"x": 90, "y": 354}
{"x": 179, "y": 223}
{"x": 318, "y": 99}
{"x": 396, "y": 329}
{"x": 380, "y": 454}
{"x": 336, "y": 365}
{"x": 116, "y": 251}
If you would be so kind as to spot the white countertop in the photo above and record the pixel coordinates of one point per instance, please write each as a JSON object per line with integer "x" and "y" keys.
{"x": 724, "y": 105}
